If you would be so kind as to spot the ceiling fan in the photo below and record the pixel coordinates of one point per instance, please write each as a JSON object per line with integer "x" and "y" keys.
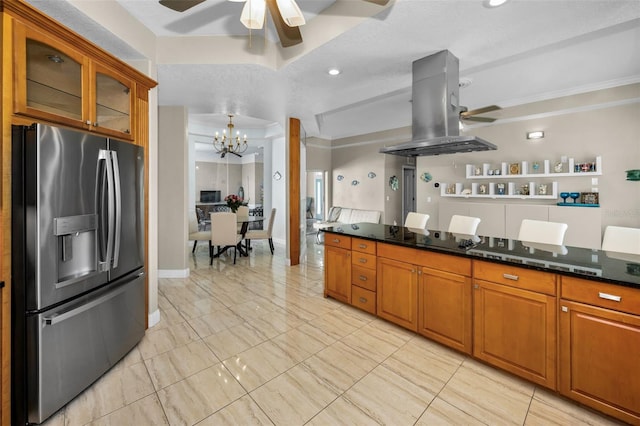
{"x": 467, "y": 115}
{"x": 286, "y": 15}
{"x": 226, "y": 151}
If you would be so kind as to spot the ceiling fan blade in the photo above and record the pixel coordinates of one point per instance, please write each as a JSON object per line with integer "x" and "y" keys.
{"x": 289, "y": 36}
{"x": 482, "y": 110}
{"x": 180, "y": 5}
{"x": 479, "y": 119}
{"x": 379, "y": 2}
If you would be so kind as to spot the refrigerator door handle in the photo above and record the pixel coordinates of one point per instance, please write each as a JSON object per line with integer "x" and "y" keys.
{"x": 118, "y": 208}
{"x": 105, "y": 228}
{"x": 58, "y": 318}
{"x": 110, "y": 211}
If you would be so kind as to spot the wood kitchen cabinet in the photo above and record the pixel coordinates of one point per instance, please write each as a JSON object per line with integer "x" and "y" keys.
{"x": 600, "y": 347}
{"x": 363, "y": 274}
{"x": 397, "y": 287}
{"x": 515, "y": 319}
{"x": 56, "y": 82}
{"x": 337, "y": 267}
{"x": 444, "y": 302}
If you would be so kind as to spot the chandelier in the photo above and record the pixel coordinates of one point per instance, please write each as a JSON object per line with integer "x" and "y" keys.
{"x": 228, "y": 142}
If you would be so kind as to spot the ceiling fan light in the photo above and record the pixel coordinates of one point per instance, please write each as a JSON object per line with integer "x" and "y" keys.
{"x": 291, "y": 13}
{"x": 494, "y": 3}
{"x": 252, "y": 15}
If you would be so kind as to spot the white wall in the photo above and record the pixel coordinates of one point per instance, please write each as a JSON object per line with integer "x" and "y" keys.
{"x": 611, "y": 132}
{"x": 279, "y": 190}
{"x": 584, "y": 126}
{"x": 354, "y": 158}
{"x": 172, "y": 200}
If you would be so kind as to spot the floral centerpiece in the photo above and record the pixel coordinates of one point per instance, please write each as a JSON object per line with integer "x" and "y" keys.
{"x": 233, "y": 201}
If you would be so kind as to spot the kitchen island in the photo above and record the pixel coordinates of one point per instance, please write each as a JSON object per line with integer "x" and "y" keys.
{"x": 565, "y": 318}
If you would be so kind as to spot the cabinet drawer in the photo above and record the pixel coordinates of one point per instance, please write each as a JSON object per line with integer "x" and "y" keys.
{"x": 363, "y": 277}
{"x": 363, "y": 299}
{"x": 363, "y": 246}
{"x": 529, "y": 279}
{"x": 336, "y": 240}
{"x": 363, "y": 259}
{"x": 444, "y": 262}
{"x": 619, "y": 298}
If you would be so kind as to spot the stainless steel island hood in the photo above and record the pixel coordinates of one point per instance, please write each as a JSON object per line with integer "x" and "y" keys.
{"x": 436, "y": 113}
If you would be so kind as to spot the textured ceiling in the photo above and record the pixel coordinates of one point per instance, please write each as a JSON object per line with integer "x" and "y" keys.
{"x": 524, "y": 51}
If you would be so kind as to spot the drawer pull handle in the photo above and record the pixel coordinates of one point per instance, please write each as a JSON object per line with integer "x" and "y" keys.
{"x": 362, "y": 278}
{"x": 363, "y": 246}
{"x": 511, "y": 277}
{"x": 335, "y": 240}
{"x": 362, "y": 260}
{"x": 362, "y": 300}
{"x": 609, "y": 297}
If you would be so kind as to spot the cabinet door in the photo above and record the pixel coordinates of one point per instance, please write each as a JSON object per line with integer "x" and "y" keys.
{"x": 337, "y": 275}
{"x": 515, "y": 329}
{"x": 398, "y": 293}
{"x": 600, "y": 359}
{"x": 444, "y": 308}
{"x": 49, "y": 78}
{"x": 111, "y": 102}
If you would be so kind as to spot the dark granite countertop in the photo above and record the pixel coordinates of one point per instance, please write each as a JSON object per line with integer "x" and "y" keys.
{"x": 598, "y": 265}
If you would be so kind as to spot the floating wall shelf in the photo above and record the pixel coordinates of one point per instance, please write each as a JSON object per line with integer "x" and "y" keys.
{"x": 525, "y": 170}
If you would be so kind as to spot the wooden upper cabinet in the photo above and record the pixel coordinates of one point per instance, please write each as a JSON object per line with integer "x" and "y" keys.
{"x": 55, "y": 82}
{"x": 112, "y": 100}
{"x": 49, "y": 78}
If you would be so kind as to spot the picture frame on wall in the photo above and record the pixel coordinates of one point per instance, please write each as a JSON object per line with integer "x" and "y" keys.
{"x": 589, "y": 198}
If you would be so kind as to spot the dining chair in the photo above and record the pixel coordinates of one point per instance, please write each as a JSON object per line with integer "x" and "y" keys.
{"x": 416, "y": 220}
{"x": 262, "y": 234}
{"x": 195, "y": 234}
{"x": 467, "y": 225}
{"x": 223, "y": 234}
{"x": 540, "y": 231}
{"x": 621, "y": 239}
{"x": 201, "y": 216}
{"x": 243, "y": 211}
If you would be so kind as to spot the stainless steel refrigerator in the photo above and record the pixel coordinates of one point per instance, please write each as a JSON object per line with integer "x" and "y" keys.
{"x": 78, "y": 296}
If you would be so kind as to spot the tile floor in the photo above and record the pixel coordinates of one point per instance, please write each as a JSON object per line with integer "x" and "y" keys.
{"x": 258, "y": 344}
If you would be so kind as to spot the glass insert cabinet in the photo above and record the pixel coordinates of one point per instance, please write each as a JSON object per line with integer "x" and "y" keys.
{"x": 56, "y": 83}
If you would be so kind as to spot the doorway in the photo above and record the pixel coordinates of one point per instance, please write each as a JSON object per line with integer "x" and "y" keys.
{"x": 318, "y": 208}
{"x": 408, "y": 191}
{"x": 316, "y": 198}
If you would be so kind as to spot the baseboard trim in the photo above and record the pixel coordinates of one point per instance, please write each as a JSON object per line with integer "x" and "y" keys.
{"x": 154, "y": 318}
{"x": 173, "y": 273}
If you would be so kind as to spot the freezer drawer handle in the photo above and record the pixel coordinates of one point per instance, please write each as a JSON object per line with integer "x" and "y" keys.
{"x": 56, "y": 319}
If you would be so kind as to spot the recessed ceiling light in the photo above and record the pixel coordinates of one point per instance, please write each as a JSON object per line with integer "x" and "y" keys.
{"x": 333, "y": 71}
{"x": 494, "y": 3}
{"x": 536, "y": 134}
